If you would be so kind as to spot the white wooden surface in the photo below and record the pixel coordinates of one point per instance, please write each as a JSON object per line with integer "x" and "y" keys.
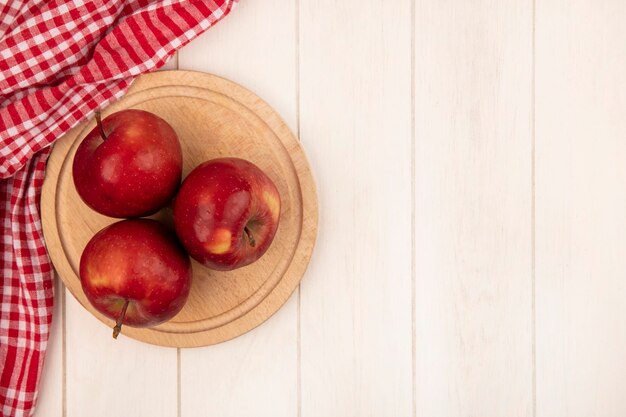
{"x": 355, "y": 123}
{"x": 471, "y": 258}
{"x": 473, "y": 208}
{"x": 580, "y": 205}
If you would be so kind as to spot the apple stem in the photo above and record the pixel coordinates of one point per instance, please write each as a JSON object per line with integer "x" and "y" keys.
{"x": 249, "y": 236}
{"x": 99, "y": 122}
{"x": 120, "y": 320}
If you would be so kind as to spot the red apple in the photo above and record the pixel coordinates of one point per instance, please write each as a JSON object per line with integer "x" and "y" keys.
{"x": 129, "y": 165}
{"x": 226, "y": 213}
{"x": 135, "y": 272}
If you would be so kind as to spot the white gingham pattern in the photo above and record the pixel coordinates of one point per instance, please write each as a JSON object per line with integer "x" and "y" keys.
{"x": 59, "y": 61}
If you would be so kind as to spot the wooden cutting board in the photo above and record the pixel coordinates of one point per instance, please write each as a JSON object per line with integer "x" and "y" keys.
{"x": 213, "y": 118}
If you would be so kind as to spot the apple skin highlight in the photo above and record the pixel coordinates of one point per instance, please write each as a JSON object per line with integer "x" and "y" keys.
{"x": 226, "y": 213}
{"x": 136, "y": 271}
{"x": 129, "y": 165}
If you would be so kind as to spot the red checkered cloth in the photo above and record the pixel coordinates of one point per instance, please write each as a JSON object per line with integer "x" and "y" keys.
{"x": 59, "y": 61}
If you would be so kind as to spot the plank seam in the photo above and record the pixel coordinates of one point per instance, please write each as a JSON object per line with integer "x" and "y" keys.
{"x": 533, "y": 223}
{"x": 298, "y": 310}
{"x": 413, "y": 286}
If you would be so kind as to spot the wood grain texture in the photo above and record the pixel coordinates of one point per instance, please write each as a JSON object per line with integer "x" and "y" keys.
{"x": 108, "y": 377}
{"x": 213, "y": 118}
{"x": 580, "y": 206}
{"x": 255, "y": 374}
{"x": 473, "y": 204}
{"x": 252, "y": 375}
{"x": 50, "y": 399}
{"x": 355, "y": 101}
{"x": 255, "y": 47}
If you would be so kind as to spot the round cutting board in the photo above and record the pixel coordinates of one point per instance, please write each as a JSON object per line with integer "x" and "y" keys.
{"x": 213, "y": 118}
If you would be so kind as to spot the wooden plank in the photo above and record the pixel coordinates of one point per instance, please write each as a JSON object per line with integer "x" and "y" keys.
{"x": 473, "y": 206}
{"x": 50, "y": 399}
{"x": 255, "y": 374}
{"x": 355, "y": 100}
{"x": 580, "y": 206}
{"x": 255, "y": 47}
{"x": 109, "y": 377}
